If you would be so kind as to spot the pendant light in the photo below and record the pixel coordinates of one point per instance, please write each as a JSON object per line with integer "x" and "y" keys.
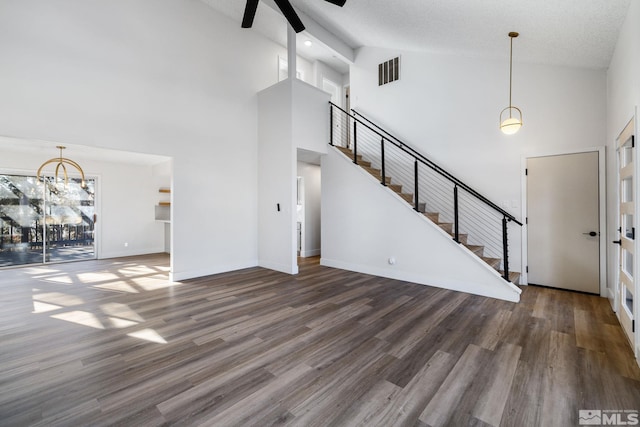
{"x": 512, "y": 122}
{"x": 60, "y": 164}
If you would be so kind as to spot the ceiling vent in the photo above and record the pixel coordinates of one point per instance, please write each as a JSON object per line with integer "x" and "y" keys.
{"x": 389, "y": 71}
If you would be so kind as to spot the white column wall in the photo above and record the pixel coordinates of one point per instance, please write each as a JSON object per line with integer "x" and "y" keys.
{"x": 277, "y": 180}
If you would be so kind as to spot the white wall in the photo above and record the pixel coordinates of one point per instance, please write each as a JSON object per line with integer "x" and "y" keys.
{"x": 156, "y": 76}
{"x": 312, "y": 206}
{"x": 364, "y": 225}
{"x": 448, "y": 108}
{"x": 125, "y": 211}
{"x": 310, "y": 117}
{"x": 623, "y": 99}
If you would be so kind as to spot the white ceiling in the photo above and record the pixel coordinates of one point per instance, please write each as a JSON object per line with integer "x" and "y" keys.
{"x": 580, "y": 33}
{"x": 273, "y": 26}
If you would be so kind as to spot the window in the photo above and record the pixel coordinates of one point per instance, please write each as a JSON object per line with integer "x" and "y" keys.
{"x": 45, "y": 221}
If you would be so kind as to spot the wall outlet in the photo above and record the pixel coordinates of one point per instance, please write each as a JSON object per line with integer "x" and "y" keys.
{"x": 126, "y": 245}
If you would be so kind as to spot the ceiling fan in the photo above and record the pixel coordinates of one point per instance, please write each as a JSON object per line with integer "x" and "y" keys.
{"x": 286, "y": 9}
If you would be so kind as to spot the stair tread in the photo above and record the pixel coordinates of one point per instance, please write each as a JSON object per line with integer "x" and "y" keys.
{"x": 371, "y": 170}
{"x": 477, "y": 249}
{"x": 514, "y": 276}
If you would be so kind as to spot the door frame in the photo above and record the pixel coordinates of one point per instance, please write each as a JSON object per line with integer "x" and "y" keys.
{"x": 615, "y": 301}
{"x": 602, "y": 207}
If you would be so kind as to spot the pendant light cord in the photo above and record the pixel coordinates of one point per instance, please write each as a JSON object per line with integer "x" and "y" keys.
{"x": 510, "y": 73}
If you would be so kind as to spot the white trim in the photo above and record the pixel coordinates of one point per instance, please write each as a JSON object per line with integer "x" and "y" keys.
{"x": 510, "y": 292}
{"x": 602, "y": 202}
{"x": 636, "y": 281}
{"x": 309, "y": 253}
{"x": 283, "y": 268}
{"x": 191, "y": 274}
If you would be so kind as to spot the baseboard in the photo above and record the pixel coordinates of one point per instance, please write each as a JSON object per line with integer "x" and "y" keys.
{"x": 283, "y": 268}
{"x": 512, "y": 294}
{"x": 309, "y": 253}
{"x": 612, "y": 298}
{"x": 209, "y": 271}
{"x": 122, "y": 254}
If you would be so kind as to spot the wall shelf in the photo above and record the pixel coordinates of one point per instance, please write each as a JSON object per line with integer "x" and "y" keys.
{"x": 163, "y": 209}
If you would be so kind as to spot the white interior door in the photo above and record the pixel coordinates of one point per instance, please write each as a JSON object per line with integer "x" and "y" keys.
{"x": 563, "y": 236}
{"x": 627, "y": 211}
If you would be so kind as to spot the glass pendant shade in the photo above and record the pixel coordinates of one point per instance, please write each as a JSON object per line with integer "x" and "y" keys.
{"x": 510, "y": 124}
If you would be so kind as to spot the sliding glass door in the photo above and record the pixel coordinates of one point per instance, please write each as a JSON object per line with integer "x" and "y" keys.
{"x": 45, "y": 221}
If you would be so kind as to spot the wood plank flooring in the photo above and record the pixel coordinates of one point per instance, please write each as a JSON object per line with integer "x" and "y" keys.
{"x": 114, "y": 343}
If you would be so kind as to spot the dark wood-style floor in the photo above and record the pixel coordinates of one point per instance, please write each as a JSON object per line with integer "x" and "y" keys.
{"x": 113, "y": 343}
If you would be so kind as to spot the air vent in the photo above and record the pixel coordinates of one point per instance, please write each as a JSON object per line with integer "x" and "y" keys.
{"x": 389, "y": 71}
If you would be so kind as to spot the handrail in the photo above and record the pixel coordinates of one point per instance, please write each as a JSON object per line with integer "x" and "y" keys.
{"x": 419, "y": 158}
{"x": 409, "y": 150}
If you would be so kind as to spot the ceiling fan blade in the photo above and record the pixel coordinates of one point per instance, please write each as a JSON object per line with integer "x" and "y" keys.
{"x": 337, "y": 2}
{"x": 290, "y": 14}
{"x": 249, "y": 13}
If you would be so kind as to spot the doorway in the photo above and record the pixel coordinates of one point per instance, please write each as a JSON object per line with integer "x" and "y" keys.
{"x": 564, "y": 218}
{"x": 308, "y": 206}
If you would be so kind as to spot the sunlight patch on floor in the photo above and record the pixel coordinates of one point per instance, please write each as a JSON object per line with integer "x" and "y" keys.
{"x": 148, "y": 335}
{"x": 121, "y": 310}
{"x": 153, "y": 285}
{"x": 137, "y": 270}
{"x": 59, "y": 279}
{"x": 79, "y": 317}
{"x": 58, "y": 298}
{"x": 118, "y": 287}
{"x": 98, "y": 277}
{"x": 43, "y": 307}
{"x": 118, "y": 323}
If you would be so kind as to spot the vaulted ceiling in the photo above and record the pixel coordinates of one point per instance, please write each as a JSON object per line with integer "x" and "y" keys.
{"x": 580, "y": 33}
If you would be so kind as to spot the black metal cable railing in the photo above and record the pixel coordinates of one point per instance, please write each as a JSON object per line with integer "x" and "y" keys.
{"x": 433, "y": 188}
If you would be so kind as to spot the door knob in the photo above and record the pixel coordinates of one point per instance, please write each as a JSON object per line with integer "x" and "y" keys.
{"x": 591, "y": 233}
{"x": 617, "y": 242}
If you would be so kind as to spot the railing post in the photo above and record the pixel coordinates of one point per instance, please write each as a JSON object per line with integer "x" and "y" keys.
{"x": 330, "y": 124}
{"x": 415, "y": 191}
{"x": 456, "y": 230}
{"x": 505, "y": 248}
{"x": 384, "y": 176}
{"x": 355, "y": 143}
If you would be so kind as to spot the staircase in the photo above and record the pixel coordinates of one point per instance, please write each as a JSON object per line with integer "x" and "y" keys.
{"x": 468, "y": 217}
